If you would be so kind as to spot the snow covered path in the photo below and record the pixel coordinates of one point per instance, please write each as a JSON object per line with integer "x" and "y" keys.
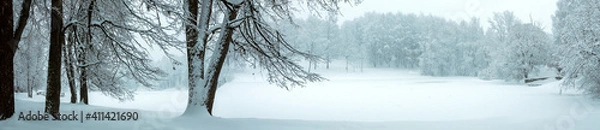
{"x": 376, "y": 99}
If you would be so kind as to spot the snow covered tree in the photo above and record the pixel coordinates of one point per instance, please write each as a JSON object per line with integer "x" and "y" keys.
{"x": 9, "y": 45}
{"x": 450, "y": 48}
{"x": 315, "y": 35}
{"x": 524, "y": 48}
{"x": 111, "y": 41}
{"x": 439, "y": 45}
{"x": 351, "y": 35}
{"x": 576, "y": 31}
{"x": 244, "y": 27}
{"x": 195, "y": 52}
{"x": 530, "y": 48}
{"x": 31, "y": 58}
{"x": 380, "y": 39}
{"x": 432, "y": 44}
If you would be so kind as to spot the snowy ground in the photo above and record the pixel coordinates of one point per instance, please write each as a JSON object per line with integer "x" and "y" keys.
{"x": 373, "y": 99}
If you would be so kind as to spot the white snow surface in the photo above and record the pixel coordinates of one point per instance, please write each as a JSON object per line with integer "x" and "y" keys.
{"x": 374, "y": 99}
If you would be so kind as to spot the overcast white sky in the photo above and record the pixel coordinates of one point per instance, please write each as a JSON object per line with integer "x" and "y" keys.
{"x": 540, "y": 10}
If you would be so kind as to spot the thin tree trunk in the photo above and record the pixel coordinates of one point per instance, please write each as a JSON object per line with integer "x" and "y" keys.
{"x": 315, "y": 63}
{"x": 54, "y": 60}
{"x": 204, "y": 21}
{"x": 328, "y": 61}
{"x": 219, "y": 59}
{"x": 361, "y": 65}
{"x": 309, "y": 65}
{"x": 28, "y": 75}
{"x": 83, "y": 91}
{"x": 83, "y": 79}
{"x": 83, "y": 84}
{"x": 70, "y": 70}
{"x": 346, "y": 57}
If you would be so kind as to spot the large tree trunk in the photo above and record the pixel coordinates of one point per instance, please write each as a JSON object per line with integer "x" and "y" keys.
{"x": 54, "y": 60}
{"x": 7, "y": 101}
{"x": 195, "y": 53}
{"x": 8, "y": 48}
{"x": 218, "y": 59}
{"x": 7, "y": 53}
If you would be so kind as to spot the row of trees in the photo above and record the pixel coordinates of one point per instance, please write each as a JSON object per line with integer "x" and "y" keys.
{"x": 100, "y": 45}
{"x": 509, "y": 49}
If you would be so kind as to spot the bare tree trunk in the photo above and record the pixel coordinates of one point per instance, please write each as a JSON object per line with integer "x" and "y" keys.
{"x": 83, "y": 79}
{"x": 83, "y": 84}
{"x": 327, "y": 62}
{"x": 7, "y": 99}
{"x": 8, "y": 49}
{"x": 83, "y": 91}
{"x": 218, "y": 59}
{"x": 346, "y": 57}
{"x": 195, "y": 53}
{"x": 195, "y": 68}
{"x": 361, "y": 65}
{"x": 70, "y": 70}
{"x": 309, "y": 64}
{"x": 54, "y": 60}
{"x": 29, "y": 87}
{"x": 27, "y": 61}
{"x": 191, "y": 37}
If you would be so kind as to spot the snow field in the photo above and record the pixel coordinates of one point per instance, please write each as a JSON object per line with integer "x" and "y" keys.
{"x": 373, "y": 99}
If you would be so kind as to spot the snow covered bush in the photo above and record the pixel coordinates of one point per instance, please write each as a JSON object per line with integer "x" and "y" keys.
{"x": 517, "y": 49}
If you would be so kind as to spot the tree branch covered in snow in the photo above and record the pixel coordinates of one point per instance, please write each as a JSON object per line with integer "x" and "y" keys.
{"x": 576, "y": 31}
{"x": 258, "y": 39}
{"x": 122, "y": 33}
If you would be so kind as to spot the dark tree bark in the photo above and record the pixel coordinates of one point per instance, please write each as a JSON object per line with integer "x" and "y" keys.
{"x": 70, "y": 70}
{"x": 191, "y": 33}
{"x": 7, "y": 100}
{"x": 54, "y": 60}
{"x": 8, "y": 48}
{"x": 214, "y": 74}
{"x": 83, "y": 87}
{"x": 83, "y": 79}
{"x": 7, "y": 53}
{"x": 191, "y": 37}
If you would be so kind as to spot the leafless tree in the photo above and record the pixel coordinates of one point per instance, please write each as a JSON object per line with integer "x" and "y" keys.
{"x": 9, "y": 45}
